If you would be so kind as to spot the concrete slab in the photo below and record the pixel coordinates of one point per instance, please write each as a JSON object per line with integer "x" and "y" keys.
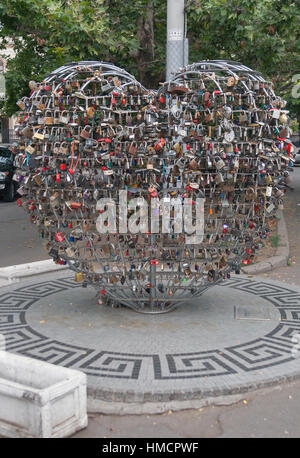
{"x": 251, "y": 313}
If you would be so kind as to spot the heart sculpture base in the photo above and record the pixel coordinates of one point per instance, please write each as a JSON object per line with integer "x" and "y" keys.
{"x": 157, "y": 305}
{"x": 153, "y": 196}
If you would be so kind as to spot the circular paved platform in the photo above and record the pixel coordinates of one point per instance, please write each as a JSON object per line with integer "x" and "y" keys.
{"x": 236, "y": 337}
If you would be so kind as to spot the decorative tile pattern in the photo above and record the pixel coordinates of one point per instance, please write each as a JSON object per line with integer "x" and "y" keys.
{"x": 267, "y": 351}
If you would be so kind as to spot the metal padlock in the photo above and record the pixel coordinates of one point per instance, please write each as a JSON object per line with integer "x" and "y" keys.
{"x": 64, "y": 117}
{"x": 79, "y": 277}
{"x": 86, "y": 132}
{"x": 220, "y": 164}
{"x": 48, "y": 117}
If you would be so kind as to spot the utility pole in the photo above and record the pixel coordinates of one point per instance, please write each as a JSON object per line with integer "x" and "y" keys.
{"x": 177, "y": 43}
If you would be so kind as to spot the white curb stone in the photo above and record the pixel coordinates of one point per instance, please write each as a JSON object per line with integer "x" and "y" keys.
{"x": 12, "y": 274}
{"x": 40, "y": 400}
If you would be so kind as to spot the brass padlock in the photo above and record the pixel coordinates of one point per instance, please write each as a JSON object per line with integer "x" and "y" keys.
{"x": 79, "y": 277}
{"x": 48, "y": 118}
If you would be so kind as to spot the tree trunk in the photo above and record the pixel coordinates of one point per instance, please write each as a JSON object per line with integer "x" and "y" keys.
{"x": 145, "y": 33}
{"x": 5, "y": 130}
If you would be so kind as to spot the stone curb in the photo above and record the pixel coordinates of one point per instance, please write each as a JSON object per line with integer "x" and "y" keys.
{"x": 138, "y": 403}
{"x": 281, "y": 256}
{"x": 14, "y": 273}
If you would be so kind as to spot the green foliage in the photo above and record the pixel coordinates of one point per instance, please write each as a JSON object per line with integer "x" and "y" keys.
{"x": 46, "y": 34}
{"x": 263, "y": 34}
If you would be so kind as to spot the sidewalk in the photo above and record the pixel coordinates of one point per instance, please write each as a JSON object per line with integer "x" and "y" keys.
{"x": 272, "y": 413}
{"x": 291, "y": 272}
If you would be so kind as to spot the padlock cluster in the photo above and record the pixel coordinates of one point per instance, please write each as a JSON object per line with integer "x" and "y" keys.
{"x": 216, "y": 132}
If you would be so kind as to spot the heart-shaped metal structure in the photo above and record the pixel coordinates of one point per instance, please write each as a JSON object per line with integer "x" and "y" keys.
{"x": 152, "y": 196}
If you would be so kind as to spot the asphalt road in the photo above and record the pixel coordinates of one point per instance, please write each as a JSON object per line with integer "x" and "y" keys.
{"x": 19, "y": 240}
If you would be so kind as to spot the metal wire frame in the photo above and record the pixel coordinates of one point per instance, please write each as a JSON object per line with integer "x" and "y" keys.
{"x": 152, "y": 302}
{"x": 228, "y": 67}
{"x": 68, "y": 71}
{"x": 71, "y": 69}
{"x": 185, "y": 294}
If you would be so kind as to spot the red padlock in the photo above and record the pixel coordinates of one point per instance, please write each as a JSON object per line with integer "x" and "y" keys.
{"x": 59, "y": 237}
{"x": 160, "y": 144}
{"x": 76, "y": 205}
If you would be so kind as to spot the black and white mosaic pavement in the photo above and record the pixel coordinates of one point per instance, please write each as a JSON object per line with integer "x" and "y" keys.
{"x": 237, "y": 336}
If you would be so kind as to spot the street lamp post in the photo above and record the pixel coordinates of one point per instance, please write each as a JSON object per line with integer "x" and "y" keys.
{"x": 177, "y": 43}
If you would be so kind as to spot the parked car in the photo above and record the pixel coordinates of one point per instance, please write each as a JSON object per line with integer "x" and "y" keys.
{"x": 7, "y": 168}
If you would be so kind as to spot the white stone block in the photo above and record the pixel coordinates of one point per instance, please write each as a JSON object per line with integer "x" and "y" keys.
{"x": 38, "y": 399}
{"x": 14, "y": 273}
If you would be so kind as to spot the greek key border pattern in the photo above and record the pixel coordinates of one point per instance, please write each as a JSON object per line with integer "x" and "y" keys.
{"x": 268, "y": 351}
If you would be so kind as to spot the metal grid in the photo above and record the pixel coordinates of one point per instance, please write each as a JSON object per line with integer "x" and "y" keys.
{"x": 167, "y": 273}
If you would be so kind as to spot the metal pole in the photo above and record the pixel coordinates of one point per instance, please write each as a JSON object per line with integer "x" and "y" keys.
{"x": 152, "y": 275}
{"x": 177, "y": 46}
